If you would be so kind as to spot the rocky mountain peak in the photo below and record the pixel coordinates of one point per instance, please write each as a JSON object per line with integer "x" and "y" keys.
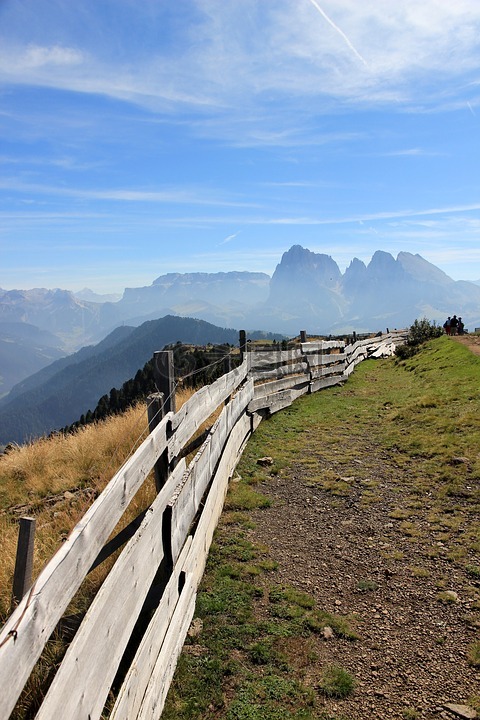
{"x": 298, "y": 262}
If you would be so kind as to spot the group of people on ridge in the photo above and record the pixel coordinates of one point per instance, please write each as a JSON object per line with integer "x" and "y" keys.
{"x": 453, "y": 326}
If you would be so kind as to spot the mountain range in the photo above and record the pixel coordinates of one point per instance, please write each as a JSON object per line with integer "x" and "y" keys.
{"x": 307, "y": 291}
{"x": 59, "y": 394}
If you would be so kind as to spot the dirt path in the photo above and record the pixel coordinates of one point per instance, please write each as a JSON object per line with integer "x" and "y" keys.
{"x": 359, "y": 554}
{"x": 470, "y": 341}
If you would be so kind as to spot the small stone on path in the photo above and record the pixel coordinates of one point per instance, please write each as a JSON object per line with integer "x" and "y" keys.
{"x": 265, "y": 461}
{"x": 462, "y": 711}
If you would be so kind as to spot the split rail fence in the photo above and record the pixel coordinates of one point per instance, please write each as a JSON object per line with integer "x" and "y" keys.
{"x": 168, "y": 546}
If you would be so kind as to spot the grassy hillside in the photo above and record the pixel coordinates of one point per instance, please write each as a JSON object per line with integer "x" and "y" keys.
{"x": 258, "y": 649}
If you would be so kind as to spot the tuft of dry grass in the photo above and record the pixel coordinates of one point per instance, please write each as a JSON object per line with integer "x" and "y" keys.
{"x": 56, "y": 479}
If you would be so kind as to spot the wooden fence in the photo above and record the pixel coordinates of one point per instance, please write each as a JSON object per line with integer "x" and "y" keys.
{"x": 171, "y": 541}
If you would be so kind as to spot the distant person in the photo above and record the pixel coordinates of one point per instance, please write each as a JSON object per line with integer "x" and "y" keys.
{"x": 460, "y": 326}
{"x": 453, "y": 325}
{"x": 447, "y": 326}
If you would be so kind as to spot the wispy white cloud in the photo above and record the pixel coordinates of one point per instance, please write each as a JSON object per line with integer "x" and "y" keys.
{"x": 174, "y": 196}
{"x": 339, "y": 31}
{"x": 414, "y": 152}
{"x": 383, "y": 215}
{"x": 240, "y": 55}
{"x": 36, "y": 56}
{"x": 228, "y": 239}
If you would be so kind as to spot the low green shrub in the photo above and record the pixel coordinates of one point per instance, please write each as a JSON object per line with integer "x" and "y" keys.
{"x": 418, "y": 333}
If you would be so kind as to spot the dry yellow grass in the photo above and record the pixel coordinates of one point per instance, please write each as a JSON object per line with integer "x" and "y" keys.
{"x": 56, "y": 479}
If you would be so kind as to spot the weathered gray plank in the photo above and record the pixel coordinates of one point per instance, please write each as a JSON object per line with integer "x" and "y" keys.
{"x": 352, "y": 365}
{"x": 332, "y": 358}
{"x": 321, "y": 345}
{"x": 81, "y": 685}
{"x": 327, "y": 382}
{"x": 256, "y": 418}
{"x": 280, "y": 401}
{"x": 359, "y": 344}
{"x": 299, "y": 391}
{"x": 269, "y": 401}
{"x": 132, "y": 692}
{"x": 25, "y": 633}
{"x": 356, "y": 351}
{"x": 281, "y": 371}
{"x": 287, "y": 383}
{"x": 163, "y": 671}
{"x": 264, "y": 358}
{"x": 386, "y": 349}
{"x": 195, "y": 562}
{"x": 201, "y": 405}
{"x": 194, "y": 566}
{"x": 328, "y": 370}
{"x": 188, "y": 495}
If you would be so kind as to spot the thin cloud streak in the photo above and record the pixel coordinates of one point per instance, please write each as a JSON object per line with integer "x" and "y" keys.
{"x": 376, "y": 216}
{"x": 174, "y": 196}
{"x": 339, "y": 31}
{"x": 228, "y": 239}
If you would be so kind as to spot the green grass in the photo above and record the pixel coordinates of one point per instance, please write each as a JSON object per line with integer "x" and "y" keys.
{"x": 259, "y": 638}
{"x": 474, "y": 654}
{"x": 336, "y": 682}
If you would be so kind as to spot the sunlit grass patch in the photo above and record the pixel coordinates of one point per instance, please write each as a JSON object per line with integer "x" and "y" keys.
{"x": 473, "y": 654}
{"x": 336, "y": 682}
{"x": 420, "y": 572}
{"x": 244, "y": 497}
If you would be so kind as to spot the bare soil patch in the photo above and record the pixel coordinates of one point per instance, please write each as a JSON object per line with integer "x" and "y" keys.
{"x": 358, "y": 555}
{"x": 470, "y": 341}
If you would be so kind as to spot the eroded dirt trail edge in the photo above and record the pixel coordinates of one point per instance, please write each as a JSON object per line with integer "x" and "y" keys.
{"x": 350, "y": 543}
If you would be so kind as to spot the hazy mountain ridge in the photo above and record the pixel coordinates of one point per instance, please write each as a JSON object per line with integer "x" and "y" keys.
{"x": 215, "y": 297}
{"x": 24, "y": 348}
{"x": 307, "y": 291}
{"x": 56, "y": 367}
{"x": 79, "y": 383}
{"x": 58, "y": 396}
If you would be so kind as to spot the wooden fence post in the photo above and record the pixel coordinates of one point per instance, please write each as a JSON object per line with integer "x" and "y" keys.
{"x": 159, "y": 404}
{"x": 243, "y": 343}
{"x": 227, "y": 364}
{"x": 22, "y": 577}
{"x": 164, "y": 374}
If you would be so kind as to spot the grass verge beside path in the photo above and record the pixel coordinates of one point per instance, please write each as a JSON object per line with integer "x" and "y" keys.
{"x": 344, "y": 579}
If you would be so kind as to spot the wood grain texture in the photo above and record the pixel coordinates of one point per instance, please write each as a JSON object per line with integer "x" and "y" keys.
{"x": 281, "y": 371}
{"x": 189, "y": 493}
{"x": 25, "y": 633}
{"x": 201, "y": 405}
{"x": 288, "y": 383}
{"x": 264, "y": 358}
{"x": 132, "y": 692}
{"x": 81, "y": 685}
{"x": 320, "y": 346}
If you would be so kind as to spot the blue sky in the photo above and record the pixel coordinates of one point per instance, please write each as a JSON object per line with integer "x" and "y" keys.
{"x": 139, "y": 138}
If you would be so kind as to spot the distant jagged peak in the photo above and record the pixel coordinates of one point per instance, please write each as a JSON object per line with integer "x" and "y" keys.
{"x": 298, "y": 258}
{"x": 421, "y": 269}
{"x": 357, "y": 267}
{"x": 382, "y": 259}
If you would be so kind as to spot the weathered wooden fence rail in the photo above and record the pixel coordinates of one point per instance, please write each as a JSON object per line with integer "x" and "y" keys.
{"x": 171, "y": 540}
